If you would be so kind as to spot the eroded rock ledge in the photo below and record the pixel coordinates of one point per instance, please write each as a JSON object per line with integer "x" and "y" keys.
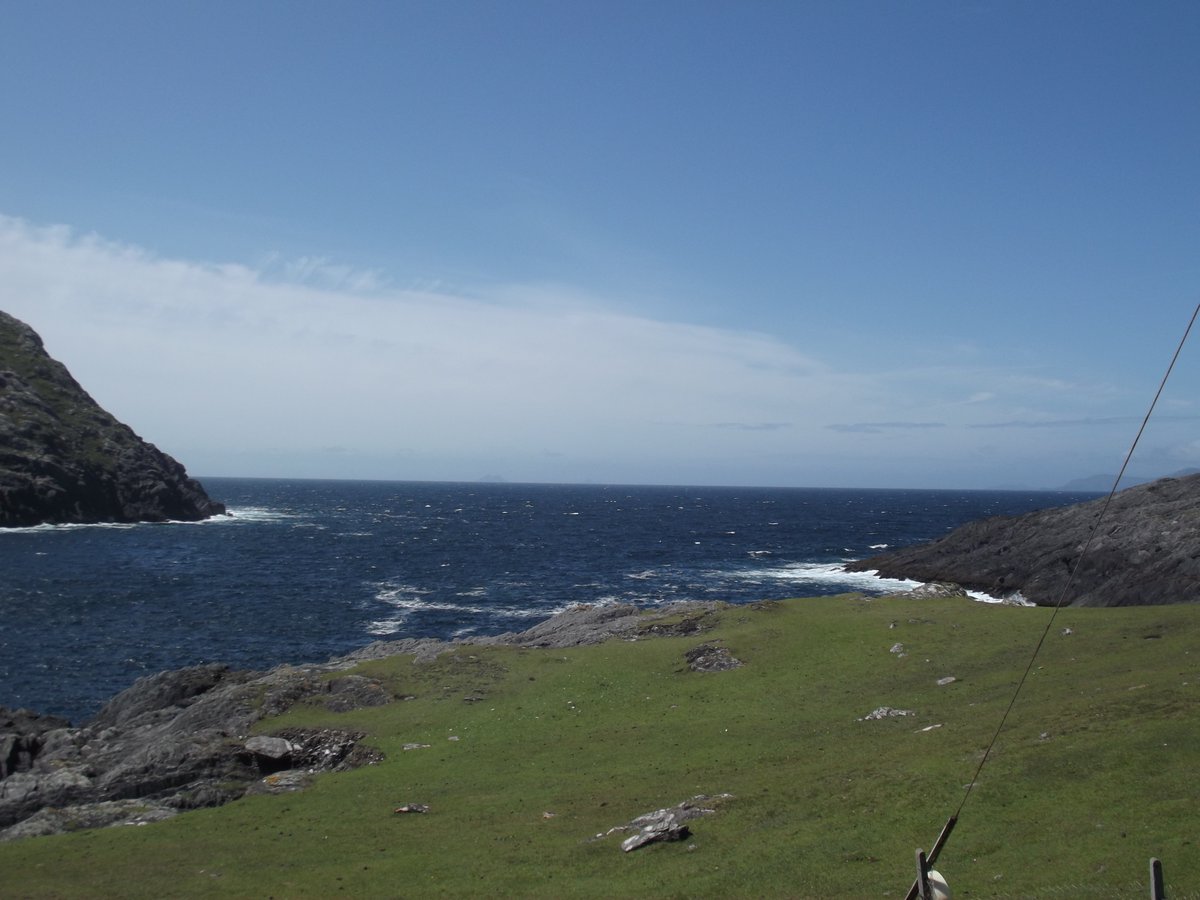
{"x": 185, "y": 739}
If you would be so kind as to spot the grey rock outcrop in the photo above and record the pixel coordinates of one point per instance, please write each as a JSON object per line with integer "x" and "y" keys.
{"x": 56, "y": 820}
{"x": 183, "y": 739}
{"x": 667, "y": 824}
{"x": 173, "y": 741}
{"x": 1146, "y": 551}
{"x": 711, "y": 657}
{"x": 575, "y": 626}
{"x": 63, "y": 459}
{"x": 22, "y": 735}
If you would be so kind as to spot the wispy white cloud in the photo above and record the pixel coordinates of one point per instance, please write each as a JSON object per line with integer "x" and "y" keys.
{"x": 309, "y": 367}
{"x": 880, "y": 427}
{"x": 753, "y": 426}
{"x": 319, "y": 271}
{"x": 197, "y": 354}
{"x": 1089, "y": 422}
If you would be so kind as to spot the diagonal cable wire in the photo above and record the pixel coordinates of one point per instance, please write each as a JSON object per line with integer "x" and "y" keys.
{"x": 1075, "y": 569}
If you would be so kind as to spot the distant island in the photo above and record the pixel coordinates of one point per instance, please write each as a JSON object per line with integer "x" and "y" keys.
{"x": 1146, "y": 551}
{"x": 64, "y": 459}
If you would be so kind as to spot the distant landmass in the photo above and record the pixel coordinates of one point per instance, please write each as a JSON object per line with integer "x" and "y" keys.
{"x": 1102, "y": 484}
{"x": 1146, "y": 551}
{"x": 63, "y": 459}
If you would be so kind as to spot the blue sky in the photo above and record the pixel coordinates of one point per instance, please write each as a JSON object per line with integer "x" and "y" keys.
{"x": 939, "y": 244}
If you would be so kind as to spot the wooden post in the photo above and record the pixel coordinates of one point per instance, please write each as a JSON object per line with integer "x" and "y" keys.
{"x": 920, "y": 887}
{"x": 1156, "y": 880}
{"x": 923, "y": 876}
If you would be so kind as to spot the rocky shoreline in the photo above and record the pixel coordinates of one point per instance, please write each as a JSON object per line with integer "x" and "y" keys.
{"x": 1146, "y": 551}
{"x": 184, "y": 739}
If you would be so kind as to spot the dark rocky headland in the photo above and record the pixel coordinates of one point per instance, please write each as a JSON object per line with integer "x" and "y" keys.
{"x": 63, "y": 459}
{"x": 1146, "y": 551}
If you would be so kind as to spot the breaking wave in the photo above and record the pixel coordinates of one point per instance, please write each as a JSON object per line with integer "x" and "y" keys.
{"x": 835, "y": 576}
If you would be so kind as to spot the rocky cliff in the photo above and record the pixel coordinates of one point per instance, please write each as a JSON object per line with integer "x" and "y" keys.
{"x": 1147, "y": 551}
{"x": 64, "y": 459}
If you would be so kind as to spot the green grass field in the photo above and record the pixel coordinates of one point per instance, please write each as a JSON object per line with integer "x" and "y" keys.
{"x": 1092, "y": 776}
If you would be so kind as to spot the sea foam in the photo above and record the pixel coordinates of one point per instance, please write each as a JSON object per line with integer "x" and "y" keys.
{"x": 825, "y": 574}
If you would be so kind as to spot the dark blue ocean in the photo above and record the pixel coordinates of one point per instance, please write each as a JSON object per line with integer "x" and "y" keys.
{"x": 305, "y": 570}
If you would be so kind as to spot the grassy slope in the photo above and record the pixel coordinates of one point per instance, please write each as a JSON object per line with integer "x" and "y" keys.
{"x": 1092, "y": 776}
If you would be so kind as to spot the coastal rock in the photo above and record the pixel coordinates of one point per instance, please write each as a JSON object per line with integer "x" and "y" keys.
{"x": 324, "y": 749}
{"x": 582, "y": 624}
{"x": 711, "y": 657}
{"x": 164, "y": 692}
{"x": 1146, "y": 551}
{"x": 575, "y": 626}
{"x": 667, "y": 824}
{"x": 272, "y": 749}
{"x": 423, "y": 650}
{"x": 63, "y": 459}
{"x": 355, "y": 692}
{"x": 885, "y": 712}
{"x": 52, "y": 820}
{"x": 182, "y": 739}
{"x": 175, "y": 740}
{"x": 23, "y": 734}
{"x": 936, "y": 590}
{"x": 283, "y": 782}
{"x": 593, "y": 624}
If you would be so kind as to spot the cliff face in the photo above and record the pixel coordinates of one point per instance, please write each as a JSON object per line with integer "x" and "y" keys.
{"x": 64, "y": 459}
{"x": 1147, "y": 551}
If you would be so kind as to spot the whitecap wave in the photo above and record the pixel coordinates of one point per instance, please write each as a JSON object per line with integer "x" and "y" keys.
{"x": 408, "y": 600}
{"x": 1014, "y": 599}
{"x": 643, "y": 575}
{"x": 404, "y": 600}
{"x": 545, "y": 612}
{"x": 834, "y": 574}
{"x": 254, "y": 514}
{"x": 385, "y": 626}
{"x": 869, "y": 582}
{"x": 51, "y": 528}
{"x": 390, "y": 591}
{"x": 71, "y": 526}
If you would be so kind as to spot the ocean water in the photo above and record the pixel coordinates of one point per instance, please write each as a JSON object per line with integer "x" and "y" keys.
{"x": 304, "y": 570}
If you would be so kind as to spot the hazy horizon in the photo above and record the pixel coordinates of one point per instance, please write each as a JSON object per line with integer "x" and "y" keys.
{"x": 1127, "y": 481}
